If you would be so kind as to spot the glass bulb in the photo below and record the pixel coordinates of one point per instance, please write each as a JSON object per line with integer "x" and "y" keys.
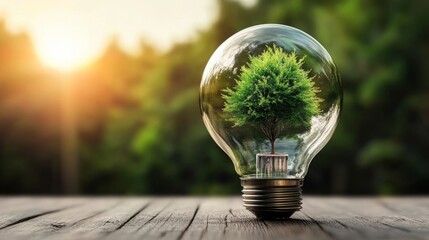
{"x": 271, "y": 97}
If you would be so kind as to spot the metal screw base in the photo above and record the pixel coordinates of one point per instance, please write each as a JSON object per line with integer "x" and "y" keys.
{"x": 272, "y": 198}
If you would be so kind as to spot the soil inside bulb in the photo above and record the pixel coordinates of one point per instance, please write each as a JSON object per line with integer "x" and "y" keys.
{"x": 271, "y": 165}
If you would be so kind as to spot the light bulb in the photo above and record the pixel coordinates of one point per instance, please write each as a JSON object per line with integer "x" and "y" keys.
{"x": 270, "y": 97}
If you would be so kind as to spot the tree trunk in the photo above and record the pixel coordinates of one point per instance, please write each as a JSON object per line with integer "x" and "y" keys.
{"x": 272, "y": 146}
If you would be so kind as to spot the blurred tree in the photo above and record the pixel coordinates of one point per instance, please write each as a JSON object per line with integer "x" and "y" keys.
{"x": 28, "y": 118}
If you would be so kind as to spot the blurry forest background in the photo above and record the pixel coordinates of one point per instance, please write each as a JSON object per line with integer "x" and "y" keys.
{"x": 138, "y": 118}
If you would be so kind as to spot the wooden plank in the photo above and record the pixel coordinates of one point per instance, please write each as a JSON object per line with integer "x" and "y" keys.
{"x": 334, "y": 220}
{"x": 49, "y": 224}
{"x": 242, "y": 224}
{"x": 411, "y": 213}
{"x": 211, "y": 218}
{"x": 362, "y": 218}
{"x": 16, "y": 214}
{"x": 215, "y": 219}
{"x": 11, "y": 203}
{"x": 397, "y": 213}
{"x": 104, "y": 223}
{"x": 413, "y": 207}
{"x": 299, "y": 226}
{"x": 6, "y": 202}
{"x": 130, "y": 230}
{"x": 226, "y": 218}
{"x": 172, "y": 221}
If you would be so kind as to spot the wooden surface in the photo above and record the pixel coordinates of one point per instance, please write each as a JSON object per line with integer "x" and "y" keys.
{"x": 210, "y": 218}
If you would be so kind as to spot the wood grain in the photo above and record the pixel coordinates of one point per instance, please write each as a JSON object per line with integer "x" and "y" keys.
{"x": 210, "y": 218}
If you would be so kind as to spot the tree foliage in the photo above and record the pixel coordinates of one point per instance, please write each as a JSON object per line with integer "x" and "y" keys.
{"x": 273, "y": 93}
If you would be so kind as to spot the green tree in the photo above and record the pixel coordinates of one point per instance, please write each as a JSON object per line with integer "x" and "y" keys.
{"x": 274, "y": 93}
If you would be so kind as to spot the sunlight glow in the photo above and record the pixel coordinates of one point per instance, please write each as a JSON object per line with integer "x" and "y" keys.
{"x": 63, "y": 49}
{"x": 71, "y": 33}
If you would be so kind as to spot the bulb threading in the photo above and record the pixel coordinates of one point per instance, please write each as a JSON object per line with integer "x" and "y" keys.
{"x": 272, "y": 198}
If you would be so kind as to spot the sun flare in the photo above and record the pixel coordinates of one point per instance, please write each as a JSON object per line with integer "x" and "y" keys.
{"x": 63, "y": 50}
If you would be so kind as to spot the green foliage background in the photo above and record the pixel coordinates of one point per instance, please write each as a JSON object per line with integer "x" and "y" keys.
{"x": 140, "y": 130}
